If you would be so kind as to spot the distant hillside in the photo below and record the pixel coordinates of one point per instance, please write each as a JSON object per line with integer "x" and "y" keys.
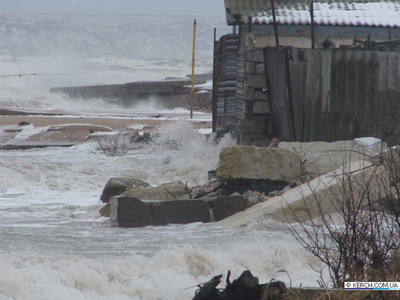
{"x": 131, "y": 36}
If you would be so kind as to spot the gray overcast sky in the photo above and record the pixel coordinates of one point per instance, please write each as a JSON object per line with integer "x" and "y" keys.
{"x": 171, "y": 7}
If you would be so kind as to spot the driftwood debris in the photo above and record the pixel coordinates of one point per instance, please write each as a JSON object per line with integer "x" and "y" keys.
{"x": 245, "y": 287}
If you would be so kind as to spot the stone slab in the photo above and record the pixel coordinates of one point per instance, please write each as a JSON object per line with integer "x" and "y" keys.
{"x": 251, "y": 67}
{"x": 128, "y": 211}
{"x": 179, "y": 212}
{"x": 261, "y": 107}
{"x": 248, "y": 162}
{"x": 261, "y": 96}
{"x": 257, "y": 81}
{"x": 249, "y": 94}
{"x": 254, "y": 124}
{"x": 255, "y": 56}
{"x": 260, "y": 69}
{"x": 118, "y": 185}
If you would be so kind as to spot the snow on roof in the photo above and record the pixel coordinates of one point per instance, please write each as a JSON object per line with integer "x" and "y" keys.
{"x": 371, "y": 13}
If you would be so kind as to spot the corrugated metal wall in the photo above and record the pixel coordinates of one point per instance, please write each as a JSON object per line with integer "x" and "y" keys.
{"x": 229, "y": 80}
{"x": 341, "y": 94}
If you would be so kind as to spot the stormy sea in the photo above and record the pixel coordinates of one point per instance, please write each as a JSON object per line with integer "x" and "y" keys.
{"x": 53, "y": 242}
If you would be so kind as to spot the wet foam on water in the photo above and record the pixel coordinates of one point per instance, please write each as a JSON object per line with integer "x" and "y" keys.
{"x": 161, "y": 275}
{"x": 53, "y": 242}
{"x": 34, "y": 91}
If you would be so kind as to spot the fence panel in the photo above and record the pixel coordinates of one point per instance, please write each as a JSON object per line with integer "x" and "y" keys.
{"x": 337, "y": 94}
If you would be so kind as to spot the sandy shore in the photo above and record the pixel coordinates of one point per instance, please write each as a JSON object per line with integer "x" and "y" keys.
{"x": 114, "y": 123}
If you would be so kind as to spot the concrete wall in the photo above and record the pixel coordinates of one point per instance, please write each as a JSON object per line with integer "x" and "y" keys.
{"x": 256, "y": 125}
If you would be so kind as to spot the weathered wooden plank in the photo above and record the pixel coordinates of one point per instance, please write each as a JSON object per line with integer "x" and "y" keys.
{"x": 325, "y": 93}
{"x": 307, "y": 97}
{"x": 297, "y": 70}
{"x": 278, "y": 82}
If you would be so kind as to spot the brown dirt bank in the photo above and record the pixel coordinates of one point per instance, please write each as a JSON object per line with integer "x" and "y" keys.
{"x": 114, "y": 123}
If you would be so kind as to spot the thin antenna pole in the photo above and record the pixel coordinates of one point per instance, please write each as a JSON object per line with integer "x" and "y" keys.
{"x": 214, "y": 96}
{"x": 275, "y": 23}
{"x": 193, "y": 67}
{"x": 312, "y": 25}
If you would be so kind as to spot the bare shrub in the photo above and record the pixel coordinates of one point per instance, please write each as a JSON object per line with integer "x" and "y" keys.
{"x": 359, "y": 241}
{"x": 112, "y": 145}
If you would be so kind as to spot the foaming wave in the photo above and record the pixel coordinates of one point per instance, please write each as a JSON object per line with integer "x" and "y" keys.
{"x": 187, "y": 154}
{"x": 178, "y": 153}
{"x": 163, "y": 275}
{"x": 32, "y": 91}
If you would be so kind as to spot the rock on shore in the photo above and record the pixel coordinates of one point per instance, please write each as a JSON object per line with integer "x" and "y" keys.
{"x": 248, "y": 162}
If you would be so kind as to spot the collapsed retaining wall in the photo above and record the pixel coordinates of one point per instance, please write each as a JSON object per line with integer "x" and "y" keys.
{"x": 132, "y": 212}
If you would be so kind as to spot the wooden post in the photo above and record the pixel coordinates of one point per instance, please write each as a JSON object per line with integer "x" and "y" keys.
{"x": 250, "y": 24}
{"x": 214, "y": 94}
{"x": 193, "y": 67}
{"x": 312, "y": 25}
{"x": 275, "y": 23}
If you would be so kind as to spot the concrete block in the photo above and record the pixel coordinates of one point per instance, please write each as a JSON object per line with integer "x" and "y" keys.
{"x": 179, "y": 212}
{"x": 327, "y": 189}
{"x": 118, "y": 185}
{"x": 247, "y": 162}
{"x": 250, "y": 67}
{"x": 249, "y": 94}
{"x": 245, "y": 139}
{"x": 260, "y": 69}
{"x": 261, "y": 96}
{"x": 255, "y": 56}
{"x": 257, "y": 81}
{"x": 270, "y": 128}
{"x": 248, "y": 107}
{"x": 261, "y": 107}
{"x": 132, "y": 212}
{"x": 254, "y": 124}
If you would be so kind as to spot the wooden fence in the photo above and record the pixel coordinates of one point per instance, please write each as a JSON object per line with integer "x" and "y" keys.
{"x": 333, "y": 94}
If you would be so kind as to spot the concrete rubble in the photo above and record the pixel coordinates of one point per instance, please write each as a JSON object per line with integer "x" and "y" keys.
{"x": 54, "y": 136}
{"x": 249, "y": 162}
{"x": 359, "y": 165}
{"x": 132, "y": 212}
{"x": 251, "y": 183}
{"x": 319, "y": 158}
{"x": 295, "y": 204}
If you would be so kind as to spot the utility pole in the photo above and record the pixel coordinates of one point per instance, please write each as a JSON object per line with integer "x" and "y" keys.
{"x": 312, "y": 25}
{"x": 275, "y": 23}
{"x": 193, "y": 67}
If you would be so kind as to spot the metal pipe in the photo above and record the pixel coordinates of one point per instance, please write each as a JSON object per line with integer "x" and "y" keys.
{"x": 275, "y": 23}
{"x": 214, "y": 95}
{"x": 193, "y": 67}
{"x": 312, "y": 25}
{"x": 249, "y": 24}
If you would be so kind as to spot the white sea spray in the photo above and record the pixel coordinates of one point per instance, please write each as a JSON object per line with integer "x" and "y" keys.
{"x": 53, "y": 242}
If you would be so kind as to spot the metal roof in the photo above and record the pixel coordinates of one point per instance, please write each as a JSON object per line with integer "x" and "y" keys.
{"x": 373, "y": 13}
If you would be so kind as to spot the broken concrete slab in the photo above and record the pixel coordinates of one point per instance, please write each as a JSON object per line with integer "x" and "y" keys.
{"x": 168, "y": 191}
{"x": 117, "y": 185}
{"x": 322, "y": 157}
{"x": 73, "y": 133}
{"x": 298, "y": 204}
{"x": 132, "y": 212}
{"x": 249, "y": 162}
{"x": 30, "y": 137}
{"x": 21, "y": 145}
